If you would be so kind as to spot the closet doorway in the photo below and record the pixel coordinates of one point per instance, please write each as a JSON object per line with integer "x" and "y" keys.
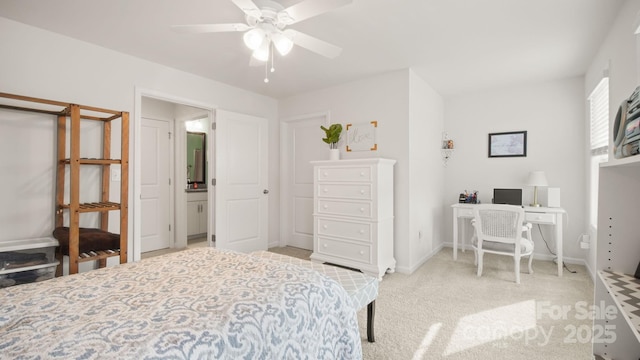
{"x": 300, "y": 144}
{"x": 154, "y": 182}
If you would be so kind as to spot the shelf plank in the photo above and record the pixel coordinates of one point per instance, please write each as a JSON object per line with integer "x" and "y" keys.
{"x": 97, "y": 255}
{"x": 93, "y": 161}
{"x": 625, "y": 292}
{"x": 95, "y": 206}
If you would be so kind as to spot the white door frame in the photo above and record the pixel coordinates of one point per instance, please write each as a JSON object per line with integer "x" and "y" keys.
{"x": 284, "y": 170}
{"x": 134, "y": 197}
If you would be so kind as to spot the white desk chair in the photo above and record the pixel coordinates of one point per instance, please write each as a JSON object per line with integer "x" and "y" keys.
{"x": 498, "y": 230}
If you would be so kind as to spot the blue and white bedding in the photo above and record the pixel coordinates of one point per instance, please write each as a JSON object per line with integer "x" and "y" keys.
{"x": 201, "y": 303}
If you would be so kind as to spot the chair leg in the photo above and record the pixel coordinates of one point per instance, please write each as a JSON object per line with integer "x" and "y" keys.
{"x": 530, "y": 263}
{"x": 517, "y": 268}
{"x": 475, "y": 253}
{"x": 479, "y": 257}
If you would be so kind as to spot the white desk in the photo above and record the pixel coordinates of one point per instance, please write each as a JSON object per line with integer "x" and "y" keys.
{"x": 534, "y": 215}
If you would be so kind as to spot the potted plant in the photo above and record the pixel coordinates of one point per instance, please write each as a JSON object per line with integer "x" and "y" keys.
{"x": 332, "y": 137}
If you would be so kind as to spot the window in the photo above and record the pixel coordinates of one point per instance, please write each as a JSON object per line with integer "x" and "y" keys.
{"x": 599, "y": 142}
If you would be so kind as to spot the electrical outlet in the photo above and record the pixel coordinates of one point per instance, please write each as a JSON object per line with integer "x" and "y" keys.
{"x": 584, "y": 245}
{"x": 585, "y": 238}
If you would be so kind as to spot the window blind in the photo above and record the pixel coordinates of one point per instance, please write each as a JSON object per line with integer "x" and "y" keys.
{"x": 599, "y": 114}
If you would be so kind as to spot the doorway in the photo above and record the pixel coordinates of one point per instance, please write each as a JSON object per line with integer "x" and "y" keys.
{"x": 237, "y": 196}
{"x": 152, "y": 219}
{"x": 300, "y": 144}
{"x": 155, "y": 184}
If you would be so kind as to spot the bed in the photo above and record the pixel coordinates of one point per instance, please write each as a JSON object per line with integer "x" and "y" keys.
{"x": 200, "y": 303}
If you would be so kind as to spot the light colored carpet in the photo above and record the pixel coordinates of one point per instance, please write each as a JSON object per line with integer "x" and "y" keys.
{"x": 444, "y": 311}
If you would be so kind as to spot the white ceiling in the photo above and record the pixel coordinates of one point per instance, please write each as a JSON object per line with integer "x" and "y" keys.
{"x": 455, "y": 45}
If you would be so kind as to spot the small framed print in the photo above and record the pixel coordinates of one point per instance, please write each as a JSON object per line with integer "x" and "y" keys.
{"x": 362, "y": 137}
{"x": 508, "y": 144}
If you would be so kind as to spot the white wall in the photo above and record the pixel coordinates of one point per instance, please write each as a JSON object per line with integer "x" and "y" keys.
{"x": 426, "y": 171}
{"x": 42, "y": 64}
{"x": 553, "y": 115}
{"x": 387, "y": 99}
{"x": 620, "y": 53}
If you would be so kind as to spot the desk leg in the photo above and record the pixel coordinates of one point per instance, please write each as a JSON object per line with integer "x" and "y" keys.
{"x": 455, "y": 234}
{"x": 559, "y": 243}
{"x": 464, "y": 234}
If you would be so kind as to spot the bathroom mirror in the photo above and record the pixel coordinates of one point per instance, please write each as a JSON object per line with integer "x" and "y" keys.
{"x": 196, "y": 157}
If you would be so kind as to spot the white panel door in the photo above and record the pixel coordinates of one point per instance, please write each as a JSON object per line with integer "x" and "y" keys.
{"x": 301, "y": 143}
{"x": 241, "y": 194}
{"x": 154, "y": 197}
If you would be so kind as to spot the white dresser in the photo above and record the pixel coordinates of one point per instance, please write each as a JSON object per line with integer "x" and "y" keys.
{"x": 353, "y": 214}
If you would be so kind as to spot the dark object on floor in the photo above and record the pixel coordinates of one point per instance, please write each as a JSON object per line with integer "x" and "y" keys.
{"x": 90, "y": 240}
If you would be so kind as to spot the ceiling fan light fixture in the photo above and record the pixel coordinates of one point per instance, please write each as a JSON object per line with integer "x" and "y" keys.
{"x": 262, "y": 53}
{"x": 282, "y": 43}
{"x": 254, "y": 38}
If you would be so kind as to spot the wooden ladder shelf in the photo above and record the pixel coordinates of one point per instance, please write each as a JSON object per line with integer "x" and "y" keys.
{"x": 70, "y": 115}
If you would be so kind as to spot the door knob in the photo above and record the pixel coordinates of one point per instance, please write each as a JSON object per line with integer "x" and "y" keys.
{"x": 265, "y": 191}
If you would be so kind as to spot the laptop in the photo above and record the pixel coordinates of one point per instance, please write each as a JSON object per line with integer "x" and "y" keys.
{"x": 507, "y": 196}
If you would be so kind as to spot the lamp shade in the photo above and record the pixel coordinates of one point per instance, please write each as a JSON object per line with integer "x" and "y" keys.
{"x": 262, "y": 53}
{"x": 282, "y": 43}
{"x": 537, "y": 178}
{"x": 254, "y": 38}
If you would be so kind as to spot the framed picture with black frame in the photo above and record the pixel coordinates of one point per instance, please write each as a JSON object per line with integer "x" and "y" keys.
{"x": 508, "y": 144}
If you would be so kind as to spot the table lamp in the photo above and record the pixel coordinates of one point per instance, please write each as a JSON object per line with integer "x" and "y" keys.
{"x": 536, "y": 178}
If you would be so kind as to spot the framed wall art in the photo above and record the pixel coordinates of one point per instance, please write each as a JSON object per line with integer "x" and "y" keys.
{"x": 362, "y": 137}
{"x": 508, "y": 144}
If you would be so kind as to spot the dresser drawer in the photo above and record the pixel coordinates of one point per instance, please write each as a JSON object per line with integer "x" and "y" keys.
{"x": 345, "y": 191}
{"x": 346, "y": 229}
{"x": 358, "y": 173}
{"x": 357, "y": 209}
{"x": 539, "y": 218}
{"x": 345, "y": 250}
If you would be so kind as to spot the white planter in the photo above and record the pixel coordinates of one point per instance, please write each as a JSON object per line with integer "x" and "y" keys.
{"x": 334, "y": 154}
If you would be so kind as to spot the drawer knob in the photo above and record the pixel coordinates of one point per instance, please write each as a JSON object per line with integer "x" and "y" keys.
{"x": 361, "y": 231}
{"x": 361, "y": 252}
{"x": 326, "y": 206}
{"x": 325, "y": 174}
{"x": 325, "y": 227}
{"x": 362, "y": 192}
{"x": 362, "y": 210}
{"x": 325, "y": 190}
{"x": 362, "y": 173}
{"x": 324, "y": 245}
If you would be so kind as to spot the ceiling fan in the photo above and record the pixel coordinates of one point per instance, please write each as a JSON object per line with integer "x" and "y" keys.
{"x": 266, "y": 23}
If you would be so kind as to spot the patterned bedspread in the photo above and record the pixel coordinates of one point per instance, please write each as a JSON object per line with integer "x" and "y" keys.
{"x": 201, "y": 303}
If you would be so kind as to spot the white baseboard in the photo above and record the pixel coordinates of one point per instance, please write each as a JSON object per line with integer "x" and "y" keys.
{"x": 410, "y": 270}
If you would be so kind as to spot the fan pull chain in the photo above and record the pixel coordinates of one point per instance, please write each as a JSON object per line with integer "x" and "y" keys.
{"x": 266, "y": 72}
{"x": 271, "y": 53}
{"x": 266, "y": 65}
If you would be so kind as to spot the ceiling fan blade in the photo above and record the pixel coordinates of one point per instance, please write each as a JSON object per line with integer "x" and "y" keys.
{"x": 210, "y": 28}
{"x": 313, "y": 44}
{"x": 248, "y": 7}
{"x": 309, "y": 8}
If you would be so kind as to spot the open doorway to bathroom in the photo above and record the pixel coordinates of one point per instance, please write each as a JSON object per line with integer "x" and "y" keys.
{"x": 173, "y": 197}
